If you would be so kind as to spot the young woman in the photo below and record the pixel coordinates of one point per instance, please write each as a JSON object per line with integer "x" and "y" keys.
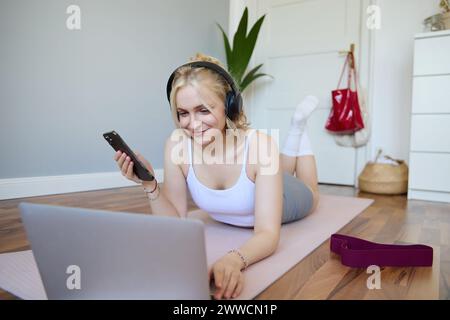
{"x": 241, "y": 189}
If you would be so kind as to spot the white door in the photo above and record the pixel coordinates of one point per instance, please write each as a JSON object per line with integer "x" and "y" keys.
{"x": 299, "y": 45}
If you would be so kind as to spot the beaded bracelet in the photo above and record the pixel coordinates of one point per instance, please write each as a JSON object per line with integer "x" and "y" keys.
{"x": 240, "y": 256}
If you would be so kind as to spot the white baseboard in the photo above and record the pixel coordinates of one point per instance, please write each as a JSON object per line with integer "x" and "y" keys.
{"x": 429, "y": 195}
{"x": 40, "y": 186}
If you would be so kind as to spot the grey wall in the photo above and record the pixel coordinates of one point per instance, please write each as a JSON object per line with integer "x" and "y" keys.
{"x": 60, "y": 89}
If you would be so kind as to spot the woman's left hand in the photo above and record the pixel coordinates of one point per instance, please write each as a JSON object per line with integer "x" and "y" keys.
{"x": 228, "y": 278}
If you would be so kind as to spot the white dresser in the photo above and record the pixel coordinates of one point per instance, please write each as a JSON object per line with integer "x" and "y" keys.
{"x": 429, "y": 158}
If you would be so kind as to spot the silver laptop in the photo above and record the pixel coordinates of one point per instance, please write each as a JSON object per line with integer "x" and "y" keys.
{"x": 93, "y": 254}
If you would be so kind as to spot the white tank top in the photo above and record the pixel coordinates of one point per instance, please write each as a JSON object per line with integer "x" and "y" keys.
{"x": 234, "y": 205}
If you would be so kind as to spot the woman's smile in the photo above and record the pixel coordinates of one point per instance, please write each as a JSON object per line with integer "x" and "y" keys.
{"x": 199, "y": 133}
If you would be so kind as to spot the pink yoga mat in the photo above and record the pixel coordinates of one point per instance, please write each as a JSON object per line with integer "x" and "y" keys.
{"x": 19, "y": 275}
{"x": 298, "y": 239}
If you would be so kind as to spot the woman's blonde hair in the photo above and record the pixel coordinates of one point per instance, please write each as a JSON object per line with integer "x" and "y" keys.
{"x": 212, "y": 80}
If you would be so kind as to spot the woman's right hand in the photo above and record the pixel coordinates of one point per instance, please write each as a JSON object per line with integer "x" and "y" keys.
{"x": 126, "y": 166}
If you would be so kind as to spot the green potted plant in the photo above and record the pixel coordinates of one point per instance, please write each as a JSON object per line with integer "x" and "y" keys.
{"x": 445, "y": 5}
{"x": 238, "y": 56}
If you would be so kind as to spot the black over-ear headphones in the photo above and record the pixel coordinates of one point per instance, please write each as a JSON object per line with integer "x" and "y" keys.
{"x": 233, "y": 99}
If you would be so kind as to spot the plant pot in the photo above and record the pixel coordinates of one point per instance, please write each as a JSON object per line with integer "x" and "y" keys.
{"x": 446, "y": 20}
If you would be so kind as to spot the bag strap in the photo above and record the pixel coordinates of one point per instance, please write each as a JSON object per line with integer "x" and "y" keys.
{"x": 343, "y": 70}
{"x": 359, "y": 253}
{"x": 349, "y": 61}
{"x": 353, "y": 68}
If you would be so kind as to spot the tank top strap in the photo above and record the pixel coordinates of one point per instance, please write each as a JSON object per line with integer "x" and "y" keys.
{"x": 189, "y": 143}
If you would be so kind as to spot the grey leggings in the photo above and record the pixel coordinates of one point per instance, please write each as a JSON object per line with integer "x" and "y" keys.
{"x": 297, "y": 199}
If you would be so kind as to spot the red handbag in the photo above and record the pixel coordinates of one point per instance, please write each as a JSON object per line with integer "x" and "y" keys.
{"x": 345, "y": 115}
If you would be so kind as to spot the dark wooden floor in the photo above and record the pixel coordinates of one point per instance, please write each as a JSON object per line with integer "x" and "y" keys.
{"x": 390, "y": 219}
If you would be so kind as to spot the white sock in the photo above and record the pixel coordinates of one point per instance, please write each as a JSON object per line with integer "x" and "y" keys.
{"x": 294, "y": 145}
{"x": 305, "y": 146}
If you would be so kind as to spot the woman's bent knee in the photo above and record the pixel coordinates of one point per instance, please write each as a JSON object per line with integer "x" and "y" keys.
{"x": 316, "y": 198}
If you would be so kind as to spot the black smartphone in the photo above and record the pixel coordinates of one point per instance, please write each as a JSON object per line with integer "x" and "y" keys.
{"x": 114, "y": 139}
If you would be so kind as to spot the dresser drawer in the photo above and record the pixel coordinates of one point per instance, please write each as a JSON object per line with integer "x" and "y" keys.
{"x": 431, "y": 94}
{"x": 431, "y": 56}
{"x": 430, "y": 133}
{"x": 429, "y": 171}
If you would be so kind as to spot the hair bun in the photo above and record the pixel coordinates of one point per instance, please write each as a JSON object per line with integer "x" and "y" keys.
{"x": 202, "y": 57}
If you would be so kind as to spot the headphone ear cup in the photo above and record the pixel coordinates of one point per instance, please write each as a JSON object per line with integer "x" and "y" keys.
{"x": 238, "y": 102}
{"x": 234, "y": 105}
{"x": 229, "y": 105}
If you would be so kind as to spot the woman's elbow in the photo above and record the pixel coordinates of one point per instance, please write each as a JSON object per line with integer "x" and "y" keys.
{"x": 274, "y": 242}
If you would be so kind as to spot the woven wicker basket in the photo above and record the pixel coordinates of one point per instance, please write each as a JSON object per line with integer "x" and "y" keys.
{"x": 384, "y": 178}
{"x": 446, "y": 20}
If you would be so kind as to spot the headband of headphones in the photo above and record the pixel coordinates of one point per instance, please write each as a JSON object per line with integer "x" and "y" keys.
{"x": 233, "y": 101}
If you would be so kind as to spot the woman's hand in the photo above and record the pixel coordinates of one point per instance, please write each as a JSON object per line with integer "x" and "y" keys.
{"x": 228, "y": 277}
{"x": 126, "y": 166}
